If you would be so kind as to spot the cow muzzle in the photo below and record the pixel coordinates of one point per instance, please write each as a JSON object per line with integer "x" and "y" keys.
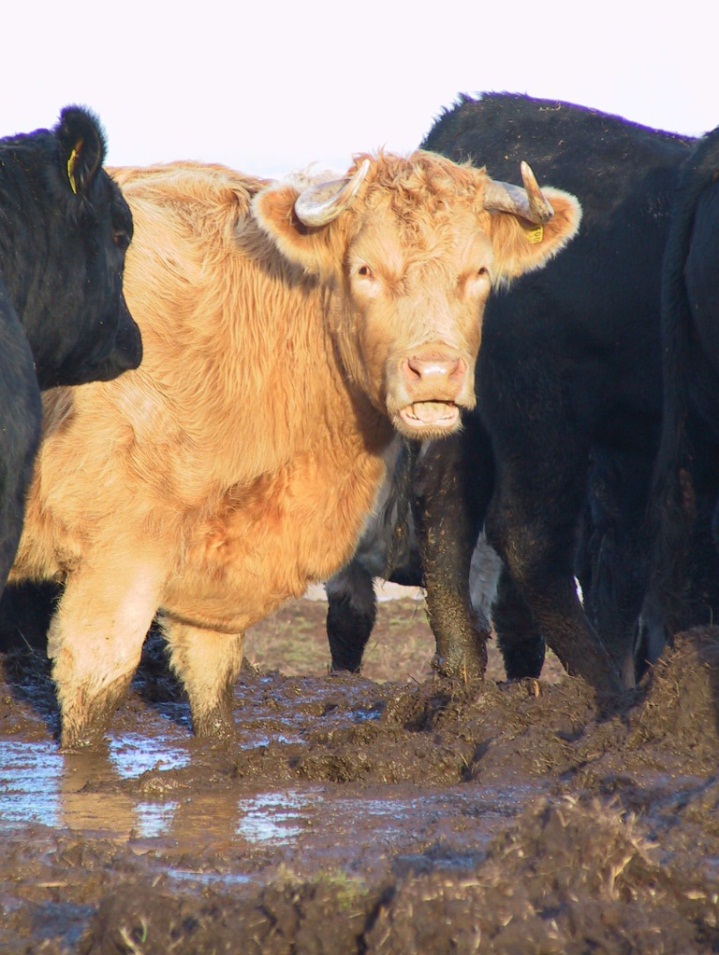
{"x": 430, "y": 389}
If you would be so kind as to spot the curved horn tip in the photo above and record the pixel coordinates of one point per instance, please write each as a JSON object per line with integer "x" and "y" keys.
{"x": 314, "y": 208}
{"x": 538, "y": 202}
{"x": 363, "y": 169}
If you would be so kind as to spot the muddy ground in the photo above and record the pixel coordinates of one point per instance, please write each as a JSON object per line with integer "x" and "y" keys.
{"x": 388, "y": 813}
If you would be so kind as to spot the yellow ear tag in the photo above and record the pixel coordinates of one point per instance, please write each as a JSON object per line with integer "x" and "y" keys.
{"x": 535, "y": 235}
{"x": 70, "y": 170}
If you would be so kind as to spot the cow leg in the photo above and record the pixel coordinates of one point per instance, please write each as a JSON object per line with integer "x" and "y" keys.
{"x": 95, "y": 641}
{"x": 351, "y": 615}
{"x": 447, "y": 510}
{"x": 532, "y": 523}
{"x": 520, "y": 642}
{"x": 208, "y": 664}
{"x": 613, "y": 566}
{"x": 684, "y": 587}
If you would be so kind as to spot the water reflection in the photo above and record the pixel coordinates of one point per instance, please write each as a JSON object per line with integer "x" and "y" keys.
{"x": 275, "y": 816}
{"x": 82, "y": 791}
{"x": 155, "y": 819}
{"x": 134, "y": 754}
{"x": 28, "y": 783}
{"x": 137, "y": 789}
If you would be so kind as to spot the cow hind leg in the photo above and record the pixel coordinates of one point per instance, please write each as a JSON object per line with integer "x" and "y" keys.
{"x": 532, "y": 525}
{"x": 95, "y": 641}
{"x": 519, "y": 639}
{"x": 208, "y": 664}
{"x": 351, "y": 615}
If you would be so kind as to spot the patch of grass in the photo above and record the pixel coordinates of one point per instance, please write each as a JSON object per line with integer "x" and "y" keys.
{"x": 294, "y": 641}
{"x": 345, "y": 889}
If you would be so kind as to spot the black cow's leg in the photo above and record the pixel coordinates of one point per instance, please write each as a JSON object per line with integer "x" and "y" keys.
{"x": 351, "y": 614}
{"x": 447, "y": 510}
{"x": 532, "y": 523}
{"x": 616, "y": 552}
{"x": 519, "y": 640}
{"x": 684, "y": 584}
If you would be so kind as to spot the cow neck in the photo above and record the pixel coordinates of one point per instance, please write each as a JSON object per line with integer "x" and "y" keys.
{"x": 18, "y": 246}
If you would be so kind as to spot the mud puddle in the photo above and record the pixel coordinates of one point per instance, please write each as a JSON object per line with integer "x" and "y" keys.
{"x": 110, "y": 795}
{"x": 354, "y": 816}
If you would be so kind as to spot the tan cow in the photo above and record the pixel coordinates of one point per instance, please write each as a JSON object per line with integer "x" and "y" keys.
{"x": 288, "y": 329}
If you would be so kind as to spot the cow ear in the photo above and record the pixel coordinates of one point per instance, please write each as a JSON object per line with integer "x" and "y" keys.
{"x": 519, "y": 246}
{"x": 81, "y": 142}
{"x": 308, "y": 247}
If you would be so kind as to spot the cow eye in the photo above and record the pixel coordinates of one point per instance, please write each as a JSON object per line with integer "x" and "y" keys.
{"x": 481, "y": 272}
{"x": 121, "y": 238}
{"x": 365, "y": 271}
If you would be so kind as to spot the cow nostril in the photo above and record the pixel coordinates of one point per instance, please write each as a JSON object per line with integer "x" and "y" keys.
{"x": 459, "y": 368}
{"x": 414, "y": 367}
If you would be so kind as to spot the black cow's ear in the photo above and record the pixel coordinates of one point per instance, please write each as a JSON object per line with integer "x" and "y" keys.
{"x": 82, "y": 146}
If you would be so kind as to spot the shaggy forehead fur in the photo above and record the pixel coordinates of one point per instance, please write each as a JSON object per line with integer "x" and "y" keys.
{"x": 422, "y": 177}
{"x": 421, "y": 183}
{"x": 419, "y": 210}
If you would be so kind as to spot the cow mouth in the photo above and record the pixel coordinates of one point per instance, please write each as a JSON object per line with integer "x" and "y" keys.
{"x": 434, "y": 415}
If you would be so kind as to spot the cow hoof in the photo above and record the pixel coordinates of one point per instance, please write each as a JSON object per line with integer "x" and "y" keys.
{"x": 85, "y": 721}
{"x": 218, "y": 725}
{"x": 459, "y": 668}
{"x": 335, "y": 670}
{"x": 81, "y": 736}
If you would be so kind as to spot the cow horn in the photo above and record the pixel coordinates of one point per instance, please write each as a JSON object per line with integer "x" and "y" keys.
{"x": 320, "y": 204}
{"x": 529, "y": 203}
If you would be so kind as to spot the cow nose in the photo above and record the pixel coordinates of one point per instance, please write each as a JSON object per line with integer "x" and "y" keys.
{"x": 433, "y": 370}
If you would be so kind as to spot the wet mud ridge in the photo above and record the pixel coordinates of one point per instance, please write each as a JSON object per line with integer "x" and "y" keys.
{"x": 359, "y": 817}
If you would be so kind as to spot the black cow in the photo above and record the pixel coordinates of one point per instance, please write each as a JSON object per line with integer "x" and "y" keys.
{"x": 568, "y": 386}
{"x": 64, "y": 230}
{"x": 686, "y": 490}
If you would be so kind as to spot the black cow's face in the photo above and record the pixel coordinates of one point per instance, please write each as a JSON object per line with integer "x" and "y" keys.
{"x": 98, "y": 337}
{"x": 66, "y": 228}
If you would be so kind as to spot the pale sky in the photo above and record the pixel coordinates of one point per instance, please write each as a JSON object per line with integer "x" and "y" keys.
{"x": 279, "y": 86}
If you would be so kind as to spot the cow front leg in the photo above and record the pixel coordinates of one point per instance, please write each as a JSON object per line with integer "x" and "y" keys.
{"x": 95, "y": 641}
{"x": 447, "y": 510}
{"x": 208, "y": 664}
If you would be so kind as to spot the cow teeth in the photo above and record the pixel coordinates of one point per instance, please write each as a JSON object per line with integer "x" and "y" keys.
{"x": 431, "y": 412}
{"x": 424, "y": 414}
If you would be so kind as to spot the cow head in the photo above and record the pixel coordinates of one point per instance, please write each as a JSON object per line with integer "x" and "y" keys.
{"x": 411, "y": 247}
{"x": 63, "y": 257}
{"x": 98, "y": 231}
